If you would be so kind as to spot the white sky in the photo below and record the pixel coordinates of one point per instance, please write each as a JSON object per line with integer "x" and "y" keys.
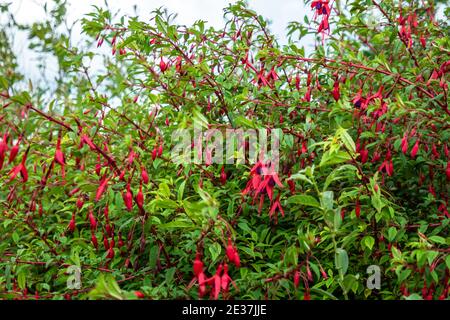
{"x": 279, "y": 12}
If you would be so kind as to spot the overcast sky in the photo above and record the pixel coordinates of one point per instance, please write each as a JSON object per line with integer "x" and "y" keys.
{"x": 279, "y": 12}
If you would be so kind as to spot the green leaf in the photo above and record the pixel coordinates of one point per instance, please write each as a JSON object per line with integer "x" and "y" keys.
{"x": 22, "y": 278}
{"x": 431, "y": 255}
{"x": 181, "y": 191}
{"x": 368, "y": 241}
{"x": 175, "y": 224}
{"x": 332, "y": 158}
{"x": 347, "y": 140}
{"x": 169, "y": 275}
{"x": 437, "y": 239}
{"x": 324, "y": 293}
{"x": 341, "y": 261}
{"x": 300, "y": 176}
{"x": 392, "y": 232}
{"x": 327, "y": 200}
{"x": 305, "y": 200}
{"x": 215, "y": 249}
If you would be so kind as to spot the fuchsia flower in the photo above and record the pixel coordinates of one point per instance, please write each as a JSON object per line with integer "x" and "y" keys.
{"x": 322, "y": 9}
{"x": 162, "y": 65}
{"x": 336, "y": 94}
{"x": 404, "y": 144}
{"x": 226, "y": 279}
{"x": 276, "y": 207}
{"x": 262, "y": 182}
{"x": 14, "y": 151}
{"x": 216, "y": 282}
{"x": 128, "y": 198}
{"x": 197, "y": 265}
{"x": 140, "y": 198}
{"x": 144, "y": 175}
{"x": 71, "y": 225}
{"x": 415, "y": 149}
{"x": 101, "y": 189}
{"x": 3, "y": 149}
{"x": 233, "y": 254}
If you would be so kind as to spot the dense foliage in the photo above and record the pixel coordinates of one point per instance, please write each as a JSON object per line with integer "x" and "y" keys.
{"x": 87, "y": 179}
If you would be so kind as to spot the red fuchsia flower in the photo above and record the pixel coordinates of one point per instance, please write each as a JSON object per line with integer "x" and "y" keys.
{"x": 364, "y": 155}
{"x": 415, "y": 149}
{"x": 267, "y": 185}
{"x": 272, "y": 75}
{"x": 307, "y": 96}
{"x": 434, "y": 151}
{"x": 197, "y": 265}
{"x": 308, "y": 272}
{"x": 140, "y": 198}
{"x": 444, "y": 294}
{"x": 94, "y": 240}
{"x": 336, "y": 93}
{"x": 72, "y": 225}
{"x": 3, "y": 149}
{"x": 92, "y": 220}
{"x": 376, "y": 156}
{"x": 297, "y": 82}
{"x": 261, "y": 80}
{"x": 110, "y": 254}
{"x": 404, "y": 143}
{"x": 358, "y": 101}
{"x": 262, "y": 181}
{"x": 357, "y": 208}
{"x": 226, "y": 279}
{"x": 322, "y": 9}
{"x": 20, "y": 168}
{"x": 59, "y": 155}
{"x": 223, "y": 176}
{"x": 232, "y": 254}
{"x": 88, "y": 141}
{"x": 14, "y": 151}
{"x": 80, "y": 202}
{"x": 296, "y": 278}
{"x": 120, "y": 243}
{"x": 98, "y": 166}
{"x": 105, "y": 242}
{"x": 101, "y": 189}
{"x": 342, "y": 213}
{"x": 144, "y": 175}
{"x": 423, "y": 42}
{"x": 276, "y": 207}
{"x": 162, "y": 65}
{"x": 324, "y": 274}
{"x": 131, "y": 156}
{"x": 216, "y": 282}
{"x": 431, "y": 190}
{"x": 128, "y": 198}
{"x": 291, "y": 184}
{"x": 201, "y": 284}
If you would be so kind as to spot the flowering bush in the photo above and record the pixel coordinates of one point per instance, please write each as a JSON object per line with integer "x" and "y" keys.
{"x": 88, "y": 182}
